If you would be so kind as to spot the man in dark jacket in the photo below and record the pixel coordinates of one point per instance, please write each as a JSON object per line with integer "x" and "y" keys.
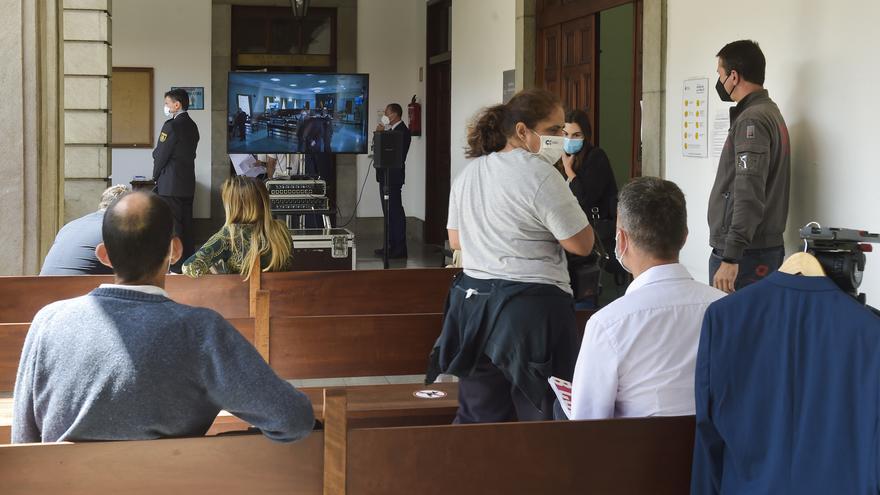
{"x": 748, "y": 205}
{"x": 391, "y": 121}
{"x": 174, "y": 167}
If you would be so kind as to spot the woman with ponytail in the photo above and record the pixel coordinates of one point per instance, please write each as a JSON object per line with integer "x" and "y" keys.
{"x": 509, "y": 323}
{"x": 249, "y": 232}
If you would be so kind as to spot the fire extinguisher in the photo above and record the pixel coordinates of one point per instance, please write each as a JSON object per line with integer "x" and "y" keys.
{"x": 415, "y": 117}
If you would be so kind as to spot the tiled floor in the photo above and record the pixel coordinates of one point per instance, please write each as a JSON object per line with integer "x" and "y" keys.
{"x": 368, "y": 240}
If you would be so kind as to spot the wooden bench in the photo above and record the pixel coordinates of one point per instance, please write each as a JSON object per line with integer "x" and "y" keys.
{"x": 307, "y": 347}
{"x": 629, "y": 456}
{"x": 306, "y": 324}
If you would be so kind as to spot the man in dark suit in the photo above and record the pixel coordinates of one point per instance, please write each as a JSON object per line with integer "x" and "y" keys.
{"x": 391, "y": 121}
{"x": 174, "y": 167}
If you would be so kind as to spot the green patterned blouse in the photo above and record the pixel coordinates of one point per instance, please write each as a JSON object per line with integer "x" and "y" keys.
{"x": 217, "y": 255}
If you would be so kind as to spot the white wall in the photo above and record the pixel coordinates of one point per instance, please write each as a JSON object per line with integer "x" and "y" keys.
{"x": 483, "y": 47}
{"x": 391, "y": 49}
{"x": 174, "y": 38}
{"x": 820, "y": 73}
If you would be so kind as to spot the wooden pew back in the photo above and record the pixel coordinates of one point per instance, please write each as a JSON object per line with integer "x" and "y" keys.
{"x": 22, "y": 297}
{"x": 231, "y": 464}
{"x": 361, "y": 292}
{"x": 624, "y": 457}
{"x": 309, "y": 325}
{"x": 630, "y": 456}
{"x": 358, "y": 323}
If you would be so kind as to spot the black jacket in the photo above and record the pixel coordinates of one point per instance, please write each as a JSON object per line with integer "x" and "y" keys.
{"x": 594, "y": 185}
{"x": 748, "y": 205}
{"x": 397, "y": 177}
{"x": 174, "y": 159}
{"x": 527, "y": 330}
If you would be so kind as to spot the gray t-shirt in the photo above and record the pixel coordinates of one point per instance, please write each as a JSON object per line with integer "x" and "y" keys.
{"x": 511, "y": 209}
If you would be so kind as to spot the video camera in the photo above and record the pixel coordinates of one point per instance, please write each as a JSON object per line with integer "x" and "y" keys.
{"x": 841, "y": 252}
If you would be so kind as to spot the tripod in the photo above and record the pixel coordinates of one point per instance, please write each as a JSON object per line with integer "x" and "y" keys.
{"x": 386, "y": 222}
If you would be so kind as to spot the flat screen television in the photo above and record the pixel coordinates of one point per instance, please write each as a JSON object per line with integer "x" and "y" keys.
{"x": 282, "y": 112}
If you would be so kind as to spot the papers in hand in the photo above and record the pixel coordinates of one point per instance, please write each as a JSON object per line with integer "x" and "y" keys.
{"x": 247, "y": 165}
{"x": 562, "y": 389}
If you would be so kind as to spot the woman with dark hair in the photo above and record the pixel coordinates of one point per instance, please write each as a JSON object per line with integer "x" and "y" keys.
{"x": 587, "y": 169}
{"x": 591, "y": 180}
{"x": 509, "y": 322}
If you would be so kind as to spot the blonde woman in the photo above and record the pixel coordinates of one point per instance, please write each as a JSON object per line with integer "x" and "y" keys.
{"x": 249, "y": 231}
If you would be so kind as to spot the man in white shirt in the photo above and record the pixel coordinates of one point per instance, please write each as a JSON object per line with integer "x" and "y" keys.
{"x": 638, "y": 354}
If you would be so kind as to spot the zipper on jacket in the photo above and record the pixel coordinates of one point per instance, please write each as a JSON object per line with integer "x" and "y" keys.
{"x": 725, "y": 224}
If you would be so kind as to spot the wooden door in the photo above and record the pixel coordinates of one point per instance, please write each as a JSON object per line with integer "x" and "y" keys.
{"x": 438, "y": 152}
{"x": 438, "y": 121}
{"x": 567, "y": 64}
{"x": 579, "y": 66}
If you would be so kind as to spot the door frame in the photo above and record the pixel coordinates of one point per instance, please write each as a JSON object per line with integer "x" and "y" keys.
{"x": 438, "y": 173}
{"x": 546, "y": 17}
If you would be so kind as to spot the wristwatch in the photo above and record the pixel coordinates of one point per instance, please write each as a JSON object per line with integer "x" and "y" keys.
{"x": 730, "y": 261}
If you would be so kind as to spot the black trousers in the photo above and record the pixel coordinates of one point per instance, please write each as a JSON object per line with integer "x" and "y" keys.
{"x": 397, "y": 220}
{"x": 182, "y": 210}
{"x": 487, "y": 396}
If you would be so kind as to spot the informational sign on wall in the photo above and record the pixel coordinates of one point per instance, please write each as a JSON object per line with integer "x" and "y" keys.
{"x": 695, "y": 118}
{"x": 509, "y": 88}
{"x": 196, "y": 96}
{"x": 720, "y": 128}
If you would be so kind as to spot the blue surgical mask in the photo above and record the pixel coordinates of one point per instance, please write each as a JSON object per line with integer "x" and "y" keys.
{"x": 573, "y": 146}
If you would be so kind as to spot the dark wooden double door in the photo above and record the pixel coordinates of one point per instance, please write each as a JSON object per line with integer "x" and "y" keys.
{"x": 567, "y": 56}
{"x": 567, "y": 59}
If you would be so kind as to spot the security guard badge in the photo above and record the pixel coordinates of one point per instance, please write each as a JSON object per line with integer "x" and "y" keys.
{"x": 750, "y": 132}
{"x": 744, "y": 161}
{"x": 162, "y": 137}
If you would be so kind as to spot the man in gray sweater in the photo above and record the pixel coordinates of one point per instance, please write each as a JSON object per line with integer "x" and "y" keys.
{"x": 125, "y": 362}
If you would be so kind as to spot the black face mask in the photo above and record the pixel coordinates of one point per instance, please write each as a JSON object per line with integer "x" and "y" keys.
{"x": 722, "y": 93}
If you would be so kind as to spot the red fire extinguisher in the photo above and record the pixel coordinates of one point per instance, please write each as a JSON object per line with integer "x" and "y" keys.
{"x": 415, "y": 117}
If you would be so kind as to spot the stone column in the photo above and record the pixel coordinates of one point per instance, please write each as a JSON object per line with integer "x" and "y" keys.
{"x": 87, "y": 70}
{"x": 30, "y": 132}
{"x": 221, "y": 63}
{"x": 526, "y": 39}
{"x": 653, "y": 87}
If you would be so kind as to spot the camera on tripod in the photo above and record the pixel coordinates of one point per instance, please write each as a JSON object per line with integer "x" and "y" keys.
{"x": 841, "y": 252}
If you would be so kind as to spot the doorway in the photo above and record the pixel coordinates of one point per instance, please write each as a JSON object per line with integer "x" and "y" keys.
{"x": 438, "y": 120}
{"x": 589, "y": 54}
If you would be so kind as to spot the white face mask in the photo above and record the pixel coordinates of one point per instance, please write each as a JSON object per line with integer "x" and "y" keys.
{"x": 168, "y": 112}
{"x": 551, "y": 148}
{"x": 619, "y": 256}
{"x": 386, "y": 121}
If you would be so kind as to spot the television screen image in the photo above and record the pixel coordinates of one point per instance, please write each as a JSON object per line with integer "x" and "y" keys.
{"x": 271, "y": 112}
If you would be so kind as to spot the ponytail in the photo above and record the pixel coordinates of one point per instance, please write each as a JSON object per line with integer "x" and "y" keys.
{"x": 487, "y": 134}
{"x": 494, "y": 126}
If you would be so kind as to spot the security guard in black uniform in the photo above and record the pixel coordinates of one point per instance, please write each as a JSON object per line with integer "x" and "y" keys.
{"x": 174, "y": 167}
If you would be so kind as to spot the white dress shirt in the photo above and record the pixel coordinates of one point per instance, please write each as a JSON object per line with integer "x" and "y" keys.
{"x": 639, "y": 352}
